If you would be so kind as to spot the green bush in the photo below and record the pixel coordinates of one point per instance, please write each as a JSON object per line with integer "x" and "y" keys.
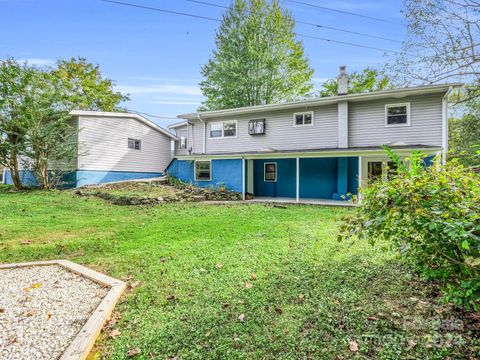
{"x": 431, "y": 215}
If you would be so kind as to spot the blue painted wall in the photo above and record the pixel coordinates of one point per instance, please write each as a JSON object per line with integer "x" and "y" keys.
{"x": 90, "y": 177}
{"x": 27, "y": 178}
{"x": 227, "y": 172}
{"x": 83, "y": 177}
{"x": 353, "y": 175}
{"x": 318, "y": 178}
{"x": 284, "y": 186}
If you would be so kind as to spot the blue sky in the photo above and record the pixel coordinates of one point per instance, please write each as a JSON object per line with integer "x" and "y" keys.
{"x": 156, "y": 57}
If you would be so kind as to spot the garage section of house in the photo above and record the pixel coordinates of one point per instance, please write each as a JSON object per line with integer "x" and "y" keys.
{"x": 330, "y": 178}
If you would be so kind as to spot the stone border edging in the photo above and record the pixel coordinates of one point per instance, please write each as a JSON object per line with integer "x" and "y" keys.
{"x": 83, "y": 342}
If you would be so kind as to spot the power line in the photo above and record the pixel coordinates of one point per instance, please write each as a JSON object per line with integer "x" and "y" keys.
{"x": 161, "y": 10}
{"x": 345, "y": 43}
{"x": 309, "y": 23}
{"x": 344, "y": 12}
{"x": 218, "y": 20}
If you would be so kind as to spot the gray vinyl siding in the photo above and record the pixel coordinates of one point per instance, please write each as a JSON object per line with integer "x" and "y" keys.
{"x": 367, "y": 122}
{"x": 280, "y": 134}
{"x": 103, "y": 145}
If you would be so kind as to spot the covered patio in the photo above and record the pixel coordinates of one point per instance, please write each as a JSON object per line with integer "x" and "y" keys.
{"x": 309, "y": 180}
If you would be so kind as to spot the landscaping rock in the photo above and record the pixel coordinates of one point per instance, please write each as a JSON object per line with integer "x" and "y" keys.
{"x": 197, "y": 198}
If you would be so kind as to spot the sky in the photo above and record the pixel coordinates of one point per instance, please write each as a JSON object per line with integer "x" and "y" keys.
{"x": 156, "y": 57}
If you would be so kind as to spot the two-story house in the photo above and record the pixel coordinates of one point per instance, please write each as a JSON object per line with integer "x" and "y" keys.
{"x": 322, "y": 148}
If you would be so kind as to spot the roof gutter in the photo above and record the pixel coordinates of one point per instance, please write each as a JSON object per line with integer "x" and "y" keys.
{"x": 199, "y": 117}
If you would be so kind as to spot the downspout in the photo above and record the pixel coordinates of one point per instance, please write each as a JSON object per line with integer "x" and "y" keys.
{"x": 204, "y": 133}
{"x": 445, "y": 125}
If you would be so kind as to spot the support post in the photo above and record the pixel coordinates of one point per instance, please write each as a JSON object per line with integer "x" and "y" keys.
{"x": 243, "y": 178}
{"x": 298, "y": 180}
{"x": 360, "y": 177}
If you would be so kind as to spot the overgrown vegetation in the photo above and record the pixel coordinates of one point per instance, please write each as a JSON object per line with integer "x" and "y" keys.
{"x": 238, "y": 281}
{"x": 431, "y": 215}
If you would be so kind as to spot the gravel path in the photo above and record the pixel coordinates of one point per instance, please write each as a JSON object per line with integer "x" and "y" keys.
{"x": 42, "y": 308}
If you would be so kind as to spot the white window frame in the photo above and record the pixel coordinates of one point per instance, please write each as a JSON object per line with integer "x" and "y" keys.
{"x": 195, "y": 170}
{"x": 134, "y": 141}
{"x": 180, "y": 141}
{"x": 265, "y": 171}
{"x": 223, "y": 129}
{"x": 303, "y": 113}
{"x": 387, "y": 106}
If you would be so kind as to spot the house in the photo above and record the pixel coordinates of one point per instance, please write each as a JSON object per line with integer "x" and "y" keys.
{"x": 114, "y": 146}
{"x": 322, "y": 148}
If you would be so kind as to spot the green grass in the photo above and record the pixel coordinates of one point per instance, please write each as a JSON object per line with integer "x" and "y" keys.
{"x": 310, "y": 297}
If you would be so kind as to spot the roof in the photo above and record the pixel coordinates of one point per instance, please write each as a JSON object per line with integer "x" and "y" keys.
{"x": 178, "y": 124}
{"x": 274, "y": 152}
{"x": 374, "y": 95}
{"x": 124, "y": 115}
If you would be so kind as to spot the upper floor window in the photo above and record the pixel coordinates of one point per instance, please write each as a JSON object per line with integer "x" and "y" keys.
{"x": 397, "y": 114}
{"x": 303, "y": 118}
{"x": 183, "y": 139}
{"x": 256, "y": 127}
{"x": 223, "y": 129}
{"x": 135, "y": 144}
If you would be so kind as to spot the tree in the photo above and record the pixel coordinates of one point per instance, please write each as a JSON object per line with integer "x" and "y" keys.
{"x": 15, "y": 82}
{"x": 34, "y": 114}
{"x": 366, "y": 81}
{"x": 257, "y": 59}
{"x": 464, "y": 137}
{"x": 84, "y": 87}
{"x": 443, "y": 39}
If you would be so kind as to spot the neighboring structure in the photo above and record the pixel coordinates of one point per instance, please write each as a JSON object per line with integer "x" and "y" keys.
{"x": 115, "y": 146}
{"x": 321, "y": 148}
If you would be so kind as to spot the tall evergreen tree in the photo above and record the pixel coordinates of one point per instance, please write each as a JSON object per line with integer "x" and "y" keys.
{"x": 257, "y": 59}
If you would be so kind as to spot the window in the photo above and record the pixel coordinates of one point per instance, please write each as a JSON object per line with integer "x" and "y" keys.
{"x": 223, "y": 129}
{"x": 270, "y": 172}
{"x": 256, "y": 127}
{"x": 381, "y": 170}
{"x": 183, "y": 139}
{"x": 134, "y": 144}
{"x": 203, "y": 170}
{"x": 375, "y": 170}
{"x": 397, "y": 114}
{"x": 303, "y": 118}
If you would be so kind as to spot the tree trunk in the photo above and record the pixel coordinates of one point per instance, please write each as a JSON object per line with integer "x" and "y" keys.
{"x": 13, "y": 168}
{"x": 43, "y": 174}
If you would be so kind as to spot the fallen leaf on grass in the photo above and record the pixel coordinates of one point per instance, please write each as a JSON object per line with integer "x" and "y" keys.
{"x": 253, "y": 277}
{"x": 225, "y": 305}
{"x": 114, "y": 333}
{"x": 208, "y": 334}
{"x": 248, "y": 285}
{"x": 301, "y": 297}
{"x": 219, "y": 266}
{"x": 241, "y": 318}
{"x": 134, "y": 284}
{"x": 372, "y": 318}
{"x": 25, "y": 242}
{"x": 171, "y": 298}
{"x": 353, "y": 345}
{"x": 278, "y": 310}
{"x": 133, "y": 352}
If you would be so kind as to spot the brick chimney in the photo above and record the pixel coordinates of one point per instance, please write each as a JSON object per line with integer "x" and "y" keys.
{"x": 342, "y": 81}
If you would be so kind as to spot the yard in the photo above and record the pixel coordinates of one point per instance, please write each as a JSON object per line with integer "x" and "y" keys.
{"x": 237, "y": 281}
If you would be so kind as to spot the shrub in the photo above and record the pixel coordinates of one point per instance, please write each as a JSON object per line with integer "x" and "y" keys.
{"x": 431, "y": 215}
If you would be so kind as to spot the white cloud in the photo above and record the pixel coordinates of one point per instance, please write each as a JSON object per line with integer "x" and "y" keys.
{"x": 161, "y": 89}
{"x": 320, "y": 80}
{"x": 38, "y": 61}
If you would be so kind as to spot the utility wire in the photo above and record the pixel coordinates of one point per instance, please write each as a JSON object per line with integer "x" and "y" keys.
{"x": 218, "y": 20}
{"x": 309, "y": 23}
{"x": 161, "y": 10}
{"x": 343, "y": 12}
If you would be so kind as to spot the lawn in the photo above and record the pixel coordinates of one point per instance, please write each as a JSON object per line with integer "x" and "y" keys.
{"x": 237, "y": 281}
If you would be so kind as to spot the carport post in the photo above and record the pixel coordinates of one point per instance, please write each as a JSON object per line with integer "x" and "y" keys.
{"x": 298, "y": 180}
{"x": 243, "y": 178}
